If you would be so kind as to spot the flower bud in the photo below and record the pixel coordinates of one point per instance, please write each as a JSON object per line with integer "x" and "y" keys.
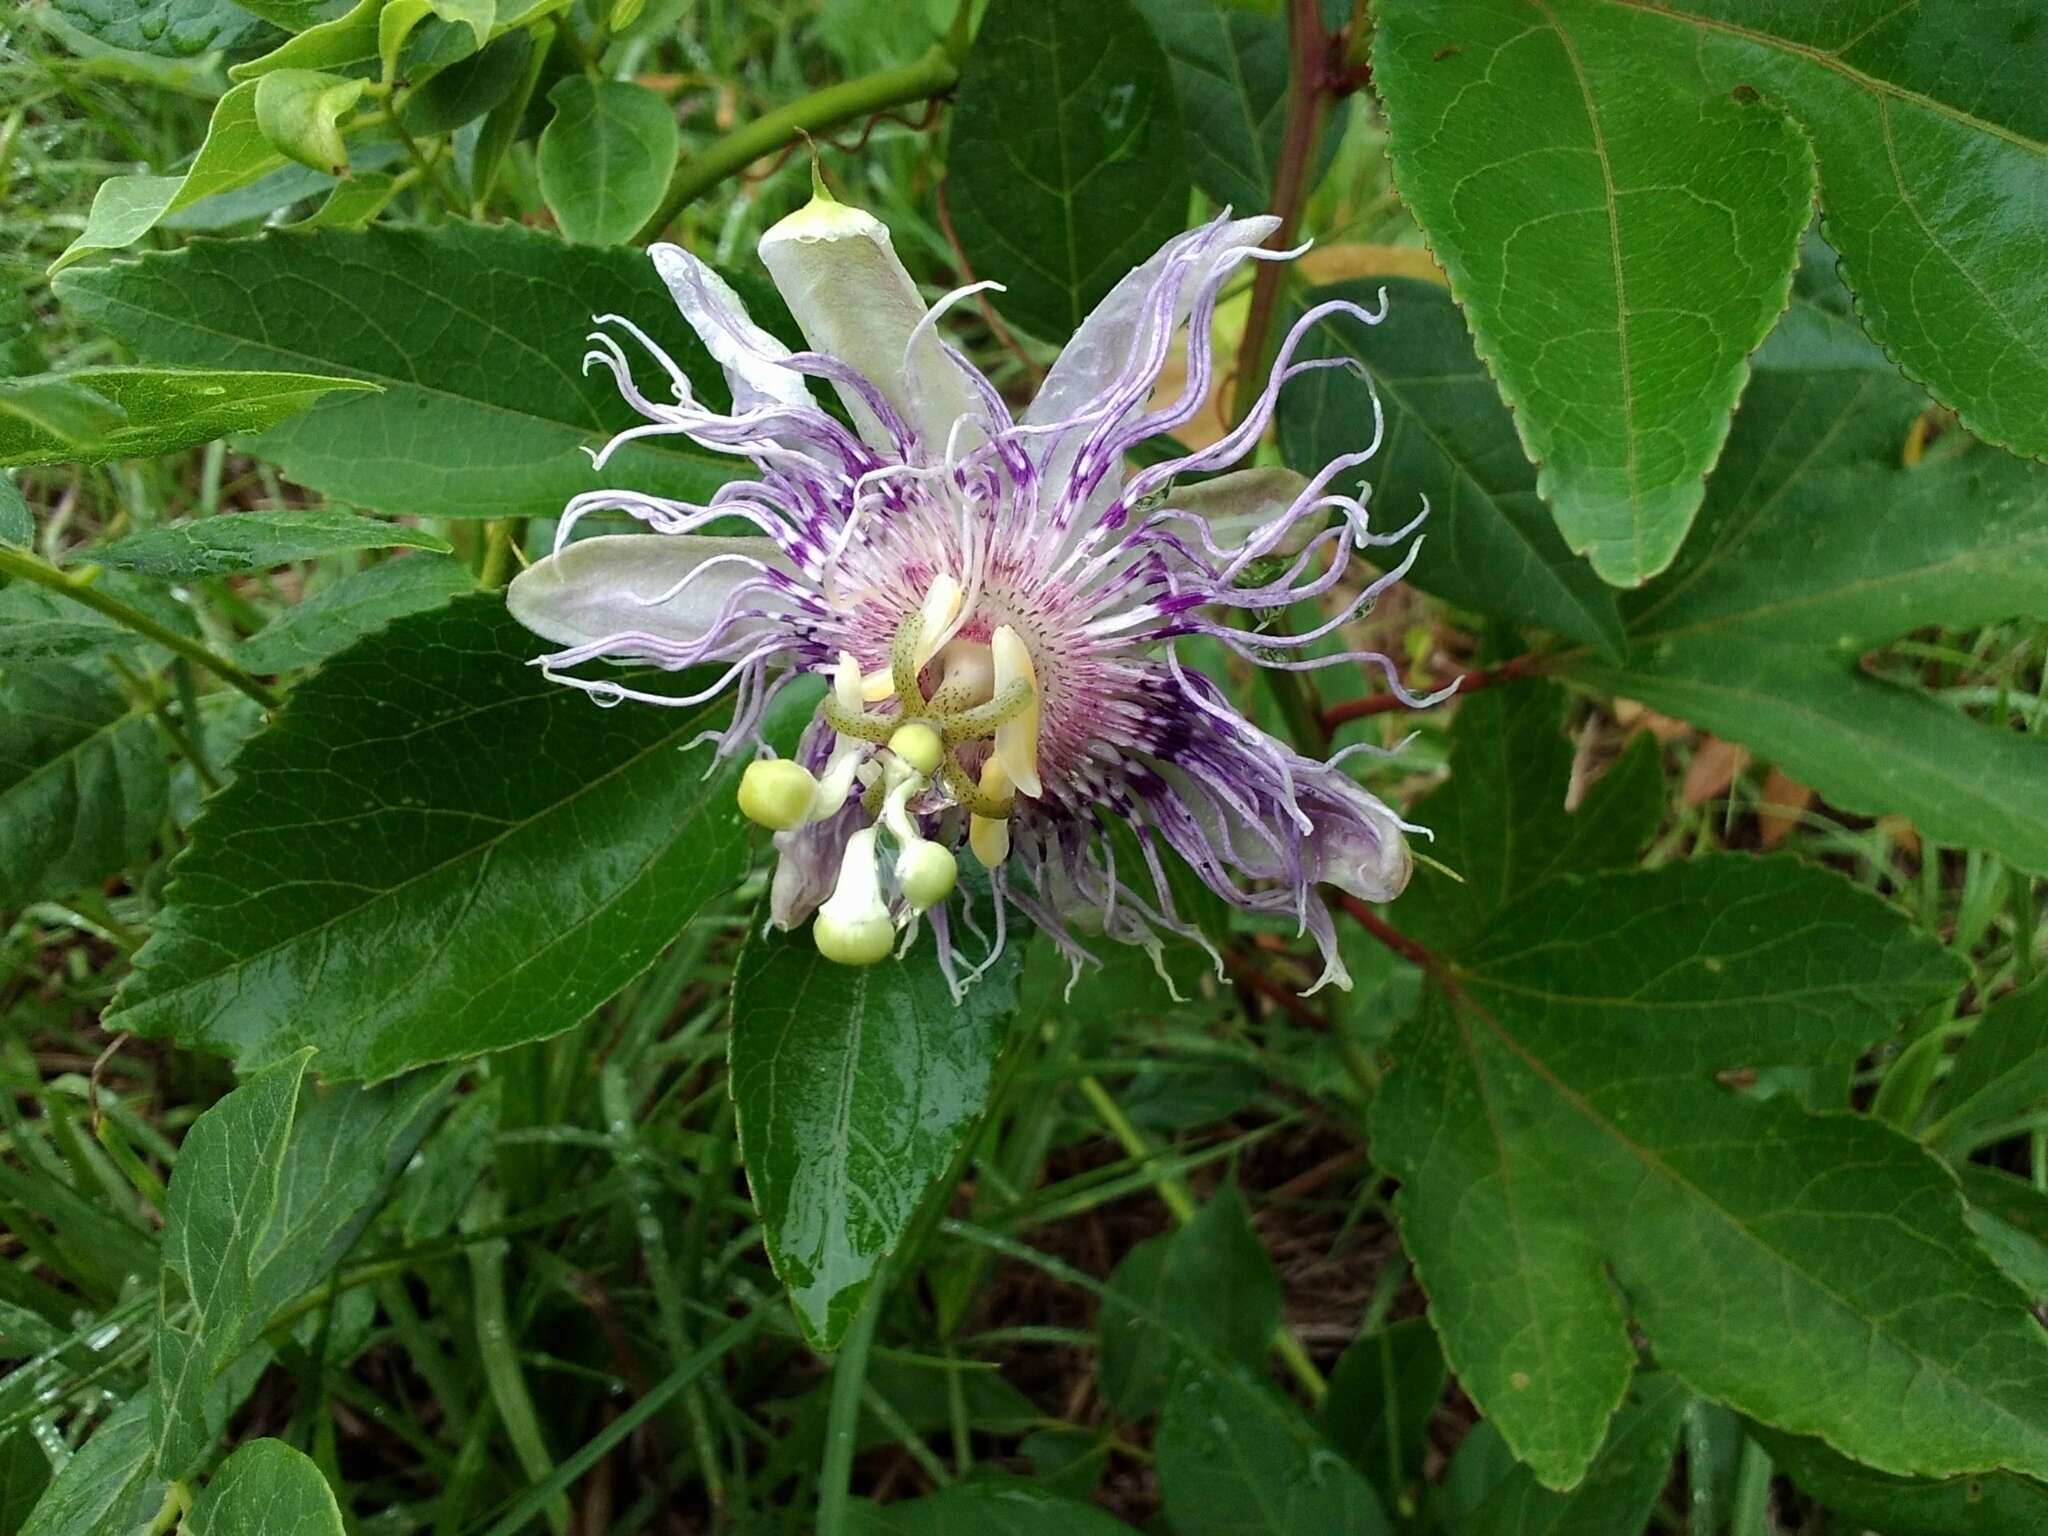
{"x": 776, "y": 793}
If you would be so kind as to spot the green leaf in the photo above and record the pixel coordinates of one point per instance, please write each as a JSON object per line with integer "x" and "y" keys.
{"x": 94, "y": 414}
{"x": 987, "y": 1506}
{"x": 1230, "y": 71}
{"x": 2001, "y": 1073}
{"x": 336, "y": 616}
{"x": 266, "y": 1489}
{"x": 17, "y": 522}
{"x": 435, "y": 852}
{"x": 1570, "y": 1163}
{"x": 1499, "y": 820}
{"x": 1978, "y": 1504}
{"x": 272, "y": 1186}
{"x": 1813, "y": 548}
{"x": 1620, "y": 1487}
{"x": 108, "y": 1485}
{"x": 465, "y": 91}
{"x": 172, "y": 29}
{"x": 1620, "y": 230}
{"x": 475, "y": 333}
{"x": 234, "y": 543}
{"x": 299, "y": 112}
{"x": 397, "y": 34}
{"x": 1489, "y": 544}
{"x": 1236, "y": 1458}
{"x": 604, "y": 160}
{"x": 505, "y": 122}
{"x": 127, "y": 207}
{"x": 1211, "y": 1278}
{"x": 37, "y": 624}
{"x": 223, "y": 1197}
{"x": 352, "y": 203}
{"x": 853, "y": 1088}
{"x": 24, "y": 1477}
{"x": 84, "y": 784}
{"x": 1933, "y": 165}
{"x": 1383, "y": 1394}
{"x": 1066, "y": 164}
{"x": 2010, "y": 1219}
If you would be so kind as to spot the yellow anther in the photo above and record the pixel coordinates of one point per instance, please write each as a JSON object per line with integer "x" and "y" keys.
{"x": 878, "y": 685}
{"x": 989, "y": 840}
{"x": 853, "y": 926}
{"x": 1017, "y": 737}
{"x": 918, "y": 745}
{"x": 989, "y": 836}
{"x": 776, "y": 793}
{"x": 941, "y": 607}
{"x": 847, "y": 689}
{"x": 926, "y": 872}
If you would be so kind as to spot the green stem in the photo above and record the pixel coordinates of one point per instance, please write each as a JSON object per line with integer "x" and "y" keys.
{"x": 932, "y": 75}
{"x": 497, "y": 555}
{"x": 186, "y": 746}
{"x": 1180, "y": 1200}
{"x": 29, "y": 567}
{"x": 842, "y": 1418}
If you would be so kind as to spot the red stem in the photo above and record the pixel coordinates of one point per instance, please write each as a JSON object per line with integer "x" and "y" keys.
{"x": 1468, "y": 682}
{"x": 1307, "y": 99}
{"x": 1398, "y": 942}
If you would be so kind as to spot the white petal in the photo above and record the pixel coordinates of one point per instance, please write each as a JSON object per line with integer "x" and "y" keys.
{"x": 1110, "y": 336}
{"x": 853, "y": 300}
{"x": 740, "y": 347}
{"x": 596, "y": 588}
{"x": 1239, "y": 504}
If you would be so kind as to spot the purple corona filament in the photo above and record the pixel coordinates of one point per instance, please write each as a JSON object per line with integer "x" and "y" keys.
{"x": 998, "y": 607}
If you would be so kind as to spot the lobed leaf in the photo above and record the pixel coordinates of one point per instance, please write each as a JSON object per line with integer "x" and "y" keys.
{"x": 1815, "y": 546}
{"x": 1620, "y": 231}
{"x": 1489, "y": 543}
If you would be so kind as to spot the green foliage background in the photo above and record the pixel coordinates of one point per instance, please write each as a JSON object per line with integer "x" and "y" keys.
{"x": 408, "y": 1125}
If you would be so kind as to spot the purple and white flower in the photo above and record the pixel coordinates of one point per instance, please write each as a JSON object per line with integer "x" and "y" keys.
{"x": 997, "y": 603}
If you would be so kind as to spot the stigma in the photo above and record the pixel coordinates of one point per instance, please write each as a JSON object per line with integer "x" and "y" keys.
{"x": 939, "y": 739}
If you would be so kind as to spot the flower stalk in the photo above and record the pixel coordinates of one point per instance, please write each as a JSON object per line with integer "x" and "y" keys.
{"x": 78, "y": 587}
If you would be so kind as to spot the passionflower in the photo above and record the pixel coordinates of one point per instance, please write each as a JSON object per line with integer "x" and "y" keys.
{"x": 998, "y": 606}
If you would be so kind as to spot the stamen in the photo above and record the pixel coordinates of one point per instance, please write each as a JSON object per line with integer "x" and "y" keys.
{"x": 1017, "y": 735}
{"x": 989, "y": 836}
{"x": 853, "y": 926}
